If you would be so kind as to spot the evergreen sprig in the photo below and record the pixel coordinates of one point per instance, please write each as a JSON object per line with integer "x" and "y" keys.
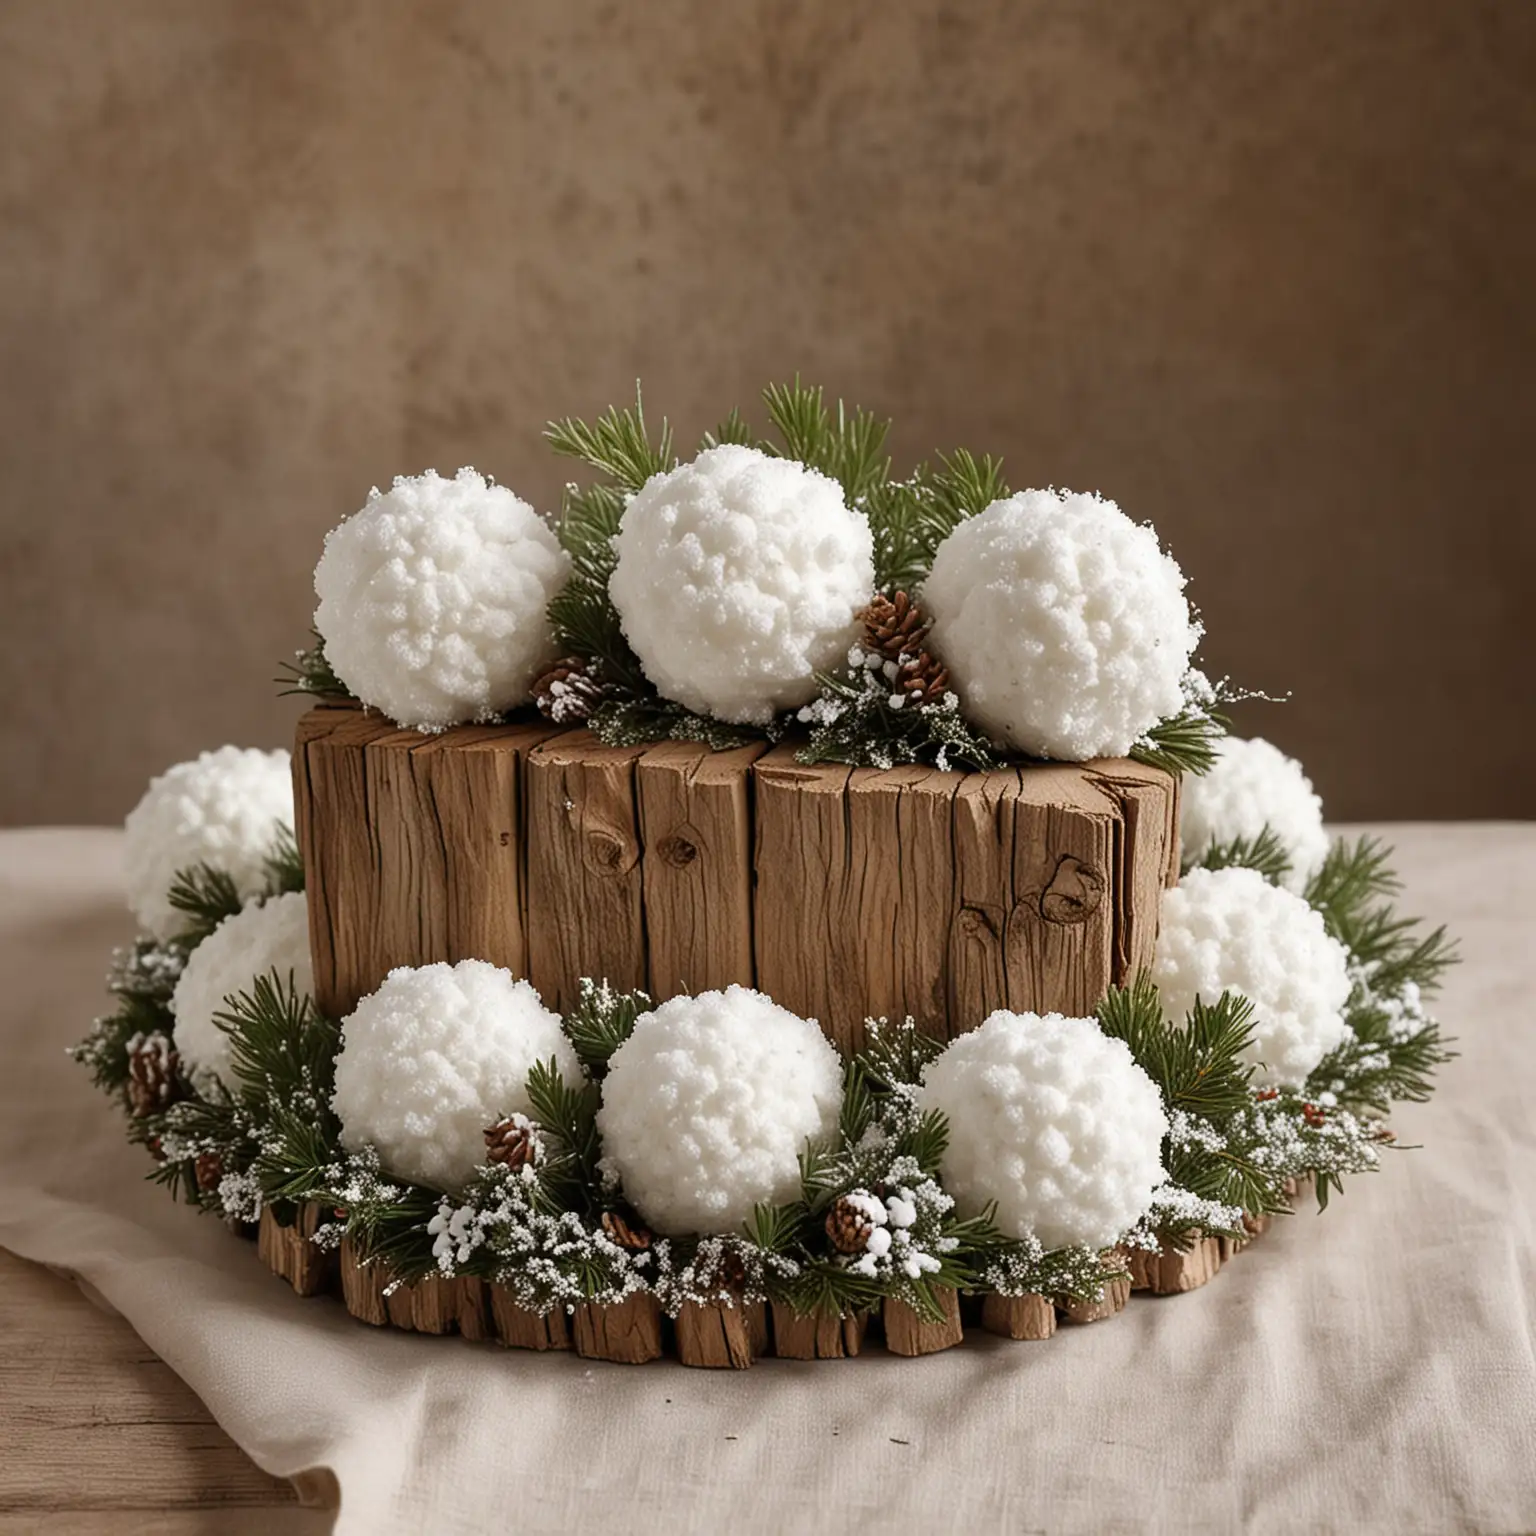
{"x": 1265, "y": 853}
{"x": 601, "y": 1021}
{"x": 1183, "y": 743}
{"x": 617, "y": 444}
{"x": 204, "y": 896}
{"x": 311, "y": 672}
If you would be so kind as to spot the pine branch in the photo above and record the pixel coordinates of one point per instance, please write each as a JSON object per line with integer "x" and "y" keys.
{"x": 617, "y": 444}
{"x": 311, "y": 672}
{"x": 205, "y": 896}
{"x": 601, "y": 1022}
{"x": 1265, "y": 853}
{"x": 1183, "y": 743}
{"x": 568, "y": 1117}
{"x": 284, "y": 864}
{"x": 732, "y": 430}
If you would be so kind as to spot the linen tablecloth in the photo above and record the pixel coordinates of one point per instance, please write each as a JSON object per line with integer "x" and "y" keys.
{"x": 1371, "y": 1367}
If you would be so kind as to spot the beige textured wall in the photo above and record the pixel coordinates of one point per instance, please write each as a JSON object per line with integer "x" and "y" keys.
{"x": 1261, "y": 271}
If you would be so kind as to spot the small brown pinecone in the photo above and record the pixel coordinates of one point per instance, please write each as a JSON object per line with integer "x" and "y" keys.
{"x": 848, "y": 1226}
{"x": 625, "y": 1232}
{"x": 568, "y": 692}
{"x": 151, "y": 1074}
{"x": 209, "y": 1169}
{"x": 510, "y": 1142}
{"x": 896, "y": 629}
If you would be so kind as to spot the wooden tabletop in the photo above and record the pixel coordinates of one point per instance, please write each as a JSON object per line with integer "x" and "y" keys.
{"x": 98, "y": 1434}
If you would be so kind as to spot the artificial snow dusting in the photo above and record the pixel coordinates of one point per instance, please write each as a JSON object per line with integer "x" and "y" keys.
{"x": 433, "y": 599}
{"x": 709, "y": 1104}
{"x": 1231, "y": 930}
{"x": 435, "y": 1056}
{"x": 1062, "y": 623}
{"x": 225, "y": 809}
{"x": 1053, "y": 1120}
{"x": 739, "y": 577}
{"x": 1253, "y": 785}
{"x": 262, "y": 938}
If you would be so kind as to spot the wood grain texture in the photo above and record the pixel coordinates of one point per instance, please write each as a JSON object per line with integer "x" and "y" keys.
{"x": 821, "y": 1336}
{"x": 1170, "y": 1273}
{"x": 518, "y": 1328}
{"x": 908, "y": 1333}
{"x": 288, "y": 1252}
{"x": 1117, "y": 1294}
{"x": 1146, "y": 857}
{"x": 717, "y": 1337}
{"x": 1019, "y": 1317}
{"x": 628, "y": 1333}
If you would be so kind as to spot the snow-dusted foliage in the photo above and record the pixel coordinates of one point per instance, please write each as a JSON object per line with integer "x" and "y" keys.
{"x": 433, "y": 598}
{"x": 738, "y": 578}
{"x": 1231, "y": 930}
{"x": 709, "y": 1104}
{"x": 1253, "y": 785}
{"x": 435, "y": 1056}
{"x": 266, "y": 936}
{"x": 1063, "y": 624}
{"x": 1054, "y": 1121}
{"x": 224, "y": 809}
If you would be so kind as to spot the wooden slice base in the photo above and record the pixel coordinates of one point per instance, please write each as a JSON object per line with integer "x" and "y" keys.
{"x": 629, "y": 1333}
{"x": 820, "y": 1336}
{"x": 1171, "y": 1273}
{"x": 720, "y": 1337}
{"x": 907, "y": 1332}
{"x": 1019, "y": 1317}
{"x": 518, "y": 1328}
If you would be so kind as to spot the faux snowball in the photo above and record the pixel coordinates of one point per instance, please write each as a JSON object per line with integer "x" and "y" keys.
{"x": 263, "y": 937}
{"x": 435, "y": 1056}
{"x": 433, "y": 599}
{"x": 1231, "y": 930}
{"x": 708, "y": 1105}
{"x": 1053, "y": 1120}
{"x": 738, "y": 578}
{"x": 224, "y": 808}
{"x": 1062, "y": 623}
{"x": 1253, "y": 785}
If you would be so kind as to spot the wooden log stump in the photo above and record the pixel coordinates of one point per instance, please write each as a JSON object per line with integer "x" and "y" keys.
{"x": 628, "y": 1332}
{"x": 290, "y": 1254}
{"x": 1254, "y": 1227}
{"x": 1117, "y": 1294}
{"x": 907, "y": 1332}
{"x": 819, "y": 1336}
{"x": 720, "y": 1337}
{"x": 518, "y": 1328}
{"x": 1019, "y": 1317}
{"x": 473, "y": 1308}
{"x": 1170, "y": 1273}
{"x": 434, "y": 1301}
{"x": 363, "y": 1285}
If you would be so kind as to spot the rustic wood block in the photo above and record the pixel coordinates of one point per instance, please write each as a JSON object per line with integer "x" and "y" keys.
{"x": 1170, "y": 1273}
{"x": 289, "y": 1253}
{"x": 1146, "y": 850}
{"x": 473, "y": 1298}
{"x": 984, "y": 808}
{"x": 1019, "y": 1317}
{"x": 629, "y": 1333}
{"x": 362, "y": 1286}
{"x": 820, "y": 1336}
{"x": 434, "y": 1304}
{"x": 518, "y": 1328}
{"x": 696, "y": 873}
{"x": 908, "y": 1333}
{"x": 1117, "y": 1294}
{"x": 720, "y": 1337}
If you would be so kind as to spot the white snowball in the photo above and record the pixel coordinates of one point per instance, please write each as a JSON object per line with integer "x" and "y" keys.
{"x": 1253, "y": 785}
{"x": 1053, "y": 1120}
{"x": 433, "y": 599}
{"x": 1231, "y": 930}
{"x": 708, "y": 1105}
{"x": 263, "y": 937}
{"x": 739, "y": 576}
{"x": 1063, "y": 624}
{"x": 435, "y": 1056}
{"x": 224, "y": 808}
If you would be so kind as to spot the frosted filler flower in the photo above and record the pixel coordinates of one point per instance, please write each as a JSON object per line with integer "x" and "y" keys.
{"x": 739, "y": 576}
{"x": 1053, "y": 1120}
{"x": 1253, "y": 785}
{"x": 433, "y": 599}
{"x": 1063, "y": 624}
{"x": 265, "y": 937}
{"x": 225, "y": 809}
{"x": 1231, "y": 930}
{"x": 435, "y": 1056}
{"x": 708, "y": 1105}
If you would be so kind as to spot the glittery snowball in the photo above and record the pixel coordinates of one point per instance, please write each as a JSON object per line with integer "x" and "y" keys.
{"x": 1253, "y": 785}
{"x": 708, "y": 1105}
{"x": 1062, "y": 623}
{"x": 1054, "y": 1121}
{"x": 433, "y": 598}
{"x": 738, "y": 578}
{"x": 264, "y": 937}
{"x": 224, "y": 809}
{"x": 436, "y": 1055}
{"x": 1231, "y": 930}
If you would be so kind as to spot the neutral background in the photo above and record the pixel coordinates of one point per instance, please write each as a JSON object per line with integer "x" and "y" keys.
{"x": 1260, "y": 271}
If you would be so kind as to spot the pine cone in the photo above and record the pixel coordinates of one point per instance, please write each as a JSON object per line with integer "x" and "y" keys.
{"x": 923, "y": 680}
{"x": 729, "y": 1274}
{"x": 511, "y": 1143}
{"x": 152, "y": 1063}
{"x": 896, "y": 628}
{"x": 627, "y": 1234}
{"x": 209, "y": 1169}
{"x": 568, "y": 692}
{"x": 848, "y": 1226}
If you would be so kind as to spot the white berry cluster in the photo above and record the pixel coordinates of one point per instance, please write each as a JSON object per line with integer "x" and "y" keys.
{"x": 1062, "y": 623}
{"x": 1253, "y": 785}
{"x": 265, "y": 937}
{"x": 1231, "y": 930}
{"x": 1055, "y": 1122}
{"x": 224, "y": 809}
{"x": 903, "y": 1236}
{"x": 739, "y": 576}
{"x": 708, "y": 1105}
{"x": 433, "y": 599}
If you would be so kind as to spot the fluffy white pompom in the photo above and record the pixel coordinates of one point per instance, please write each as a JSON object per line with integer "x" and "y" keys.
{"x": 435, "y": 1056}
{"x": 266, "y": 936}
{"x": 708, "y": 1105}
{"x": 1054, "y": 1121}
{"x": 433, "y": 598}
{"x": 1063, "y": 624}
{"x": 1253, "y": 785}
{"x": 1231, "y": 930}
{"x": 224, "y": 809}
{"x": 738, "y": 578}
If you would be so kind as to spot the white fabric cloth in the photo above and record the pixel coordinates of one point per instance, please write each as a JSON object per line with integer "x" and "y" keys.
{"x": 1371, "y": 1368}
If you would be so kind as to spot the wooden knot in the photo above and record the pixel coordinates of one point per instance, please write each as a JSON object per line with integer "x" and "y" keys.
{"x": 678, "y": 851}
{"x": 978, "y": 923}
{"x": 1074, "y": 894}
{"x": 609, "y": 854}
